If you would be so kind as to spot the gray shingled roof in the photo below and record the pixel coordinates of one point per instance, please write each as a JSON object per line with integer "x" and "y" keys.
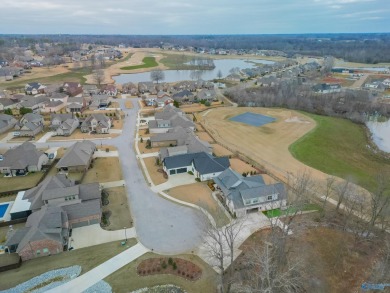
{"x": 82, "y": 210}
{"x": 21, "y": 157}
{"x": 79, "y": 154}
{"x": 203, "y": 162}
{"x": 60, "y": 192}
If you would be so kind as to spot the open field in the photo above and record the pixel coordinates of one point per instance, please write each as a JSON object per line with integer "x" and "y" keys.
{"x": 240, "y": 166}
{"x": 268, "y": 144}
{"x": 205, "y": 136}
{"x": 157, "y": 177}
{"x": 118, "y": 206}
{"x": 20, "y": 182}
{"x": 200, "y": 195}
{"x": 220, "y": 151}
{"x": 87, "y": 258}
{"x": 126, "y": 279}
{"x": 148, "y": 62}
{"x": 339, "y": 147}
{"x": 104, "y": 170}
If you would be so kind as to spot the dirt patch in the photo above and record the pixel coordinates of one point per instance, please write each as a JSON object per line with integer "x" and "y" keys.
{"x": 173, "y": 266}
{"x": 104, "y": 170}
{"x": 155, "y": 171}
{"x": 128, "y": 104}
{"x": 240, "y": 166}
{"x": 205, "y": 136}
{"x": 220, "y": 151}
{"x": 119, "y": 209}
{"x": 200, "y": 195}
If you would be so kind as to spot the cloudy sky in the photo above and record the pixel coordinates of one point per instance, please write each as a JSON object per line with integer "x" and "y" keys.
{"x": 193, "y": 17}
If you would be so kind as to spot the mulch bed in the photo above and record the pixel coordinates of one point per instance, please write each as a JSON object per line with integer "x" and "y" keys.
{"x": 174, "y": 266}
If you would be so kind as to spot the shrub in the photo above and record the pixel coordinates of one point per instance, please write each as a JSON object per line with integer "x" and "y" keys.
{"x": 174, "y": 266}
{"x": 197, "y": 179}
{"x": 107, "y": 150}
{"x": 164, "y": 265}
{"x": 141, "y": 140}
{"x": 148, "y": 144}
{"x": 207, "y": 104}
{"x": 190, "y": 172}
{"x": 244, "y": 174}
{"x": 170, "y": 261}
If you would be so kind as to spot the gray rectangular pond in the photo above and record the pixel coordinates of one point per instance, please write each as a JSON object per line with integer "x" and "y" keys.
{"x": 253, "y": 119}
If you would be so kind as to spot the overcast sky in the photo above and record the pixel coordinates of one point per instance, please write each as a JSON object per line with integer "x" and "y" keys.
{"x": 193, "y": 17}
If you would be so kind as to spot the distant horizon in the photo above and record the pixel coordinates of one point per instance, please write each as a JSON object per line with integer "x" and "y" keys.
{"x": 200, "y": 17}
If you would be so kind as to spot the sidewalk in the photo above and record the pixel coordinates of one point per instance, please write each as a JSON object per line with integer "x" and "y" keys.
{"x": 113, "y": 184}
{"x": 90, "y": 278}
{"x": 104, "y": 154}
{"x": 45, "y": 137}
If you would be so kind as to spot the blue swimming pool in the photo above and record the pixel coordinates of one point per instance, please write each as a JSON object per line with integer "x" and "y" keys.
{"x": 253, "y": 119}
{"x": 3, "y": 208}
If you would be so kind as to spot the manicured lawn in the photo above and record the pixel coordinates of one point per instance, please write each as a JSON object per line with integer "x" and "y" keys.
{"x": 75, "y": 75}
{"x": 339, "y": 147}
{"x": 87, "y": 258}
{"x": 104, "y": 170}
{"x": 118, "y": 206}
{"x": 176, "y": 61}
{"x": 20, "y": 182}
{"x": 278, "y": 212}
{"x": 148, "y": 62}
{"x": 126, "y": 279}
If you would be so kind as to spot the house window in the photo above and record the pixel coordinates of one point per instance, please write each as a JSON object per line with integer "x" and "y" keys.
{"x": 45, "y": 250}
{"x": 269, "y": 197}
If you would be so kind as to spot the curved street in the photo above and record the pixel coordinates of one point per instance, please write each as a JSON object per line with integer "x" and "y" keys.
{"x": 161, "y": 225}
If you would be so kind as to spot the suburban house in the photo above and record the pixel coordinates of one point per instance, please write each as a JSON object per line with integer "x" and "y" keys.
{"x": 98, "y": 123}
{"x": 206, "y": 95}
{"x": 99, "y": 102}
{"x": 109, "y": 90}
{"x": 170, "y": 117}
{"x": 375, "y": 85}
{"x": 90, "y": 89}
{"x": 268, "y": 81}
{"x": 184, "y": 96}
{"x": 53, "y": 207}
{"x": 64, "y": 124}
{"x": 203, "y": 165}
{"x": 73, "y": 89}
{"x": 76, "y": 104}
{"x": 327, "y": 88}
{"x": 147, "y": 87}
{"x": 233, "y": 77}
{"x": 36, "y": 103}
{"x": 248, "y": 194}
{"x": 62, "y": 97}
{"x": 22, "y": 159}
{"x": 6, "y": 103}
{"x": 30, "y": 125}
{"x": 386, "y": 82}
{"x": 34, "y": 88}
{"x": 6, "y": 122}
{"x": 78, "y": 157}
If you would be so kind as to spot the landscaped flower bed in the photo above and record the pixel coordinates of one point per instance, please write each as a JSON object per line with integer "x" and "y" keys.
{"x": 174, "y": 266}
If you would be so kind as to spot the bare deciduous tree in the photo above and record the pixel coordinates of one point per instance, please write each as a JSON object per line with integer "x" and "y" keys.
{"x": 99, "y": 76}
{"x": 157, "y": 75}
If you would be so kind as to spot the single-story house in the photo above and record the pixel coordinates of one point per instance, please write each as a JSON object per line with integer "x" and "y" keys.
{"x": 327, "y": 88}
{"x": 170, "y": 117}
{"x": 76, "y": 104}
{"x": 30, "y": 125}
{"x": 73, "y": 89}
{"x": 99, "y": 123}
{"x": 207, "y": 95}
{"x": 53, "y": 106}
{"x": 22, "y": 159}
{"x": 7, "y": 122}
{"x": 203, "y": 165}
{"x": 183, "y": 96}
{"x": 64, "y": 124}
{"x": 78, "y": 157}
{"x": 34, "y": 88}
{"x": 249, "y": 194}
{"x": 6, "y": 103}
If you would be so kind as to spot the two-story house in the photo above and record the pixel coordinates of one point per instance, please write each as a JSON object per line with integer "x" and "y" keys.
{"x": 98, "y": 123}
{"x": 64, "y": 124}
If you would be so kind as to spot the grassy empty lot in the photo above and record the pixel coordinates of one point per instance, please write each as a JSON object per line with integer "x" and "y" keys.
{"x": 157, "y": 177}
{"x": 240, "y": 166}
{"x": 126, "y": 279}
{"x": 339, "y": 147}
{"x": 87, "y": 258}
{"x": 200, "y": 194}
{"x": 104, "y": 170}
{"x": 205, "y": 136}
{"x": 118, "y": 206}
{"x": 220, "y": 151}
{"x": 20, "y": 182}
{"x": 148, "y": 63}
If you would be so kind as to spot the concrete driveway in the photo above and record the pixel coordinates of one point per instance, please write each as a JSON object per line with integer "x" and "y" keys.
{"x": 94, "y": 235}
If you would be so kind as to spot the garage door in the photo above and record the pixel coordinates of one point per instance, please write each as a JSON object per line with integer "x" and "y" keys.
{"x": 181, "y": 170}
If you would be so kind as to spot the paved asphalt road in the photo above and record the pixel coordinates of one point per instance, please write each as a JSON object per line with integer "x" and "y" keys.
{"x": 161, "y": 225}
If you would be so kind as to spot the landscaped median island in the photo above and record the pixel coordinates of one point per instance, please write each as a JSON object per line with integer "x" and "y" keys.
{"x": 148, "y": 62}
{"x": 127, "y": 278}
{"x": 340, "y": 147}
